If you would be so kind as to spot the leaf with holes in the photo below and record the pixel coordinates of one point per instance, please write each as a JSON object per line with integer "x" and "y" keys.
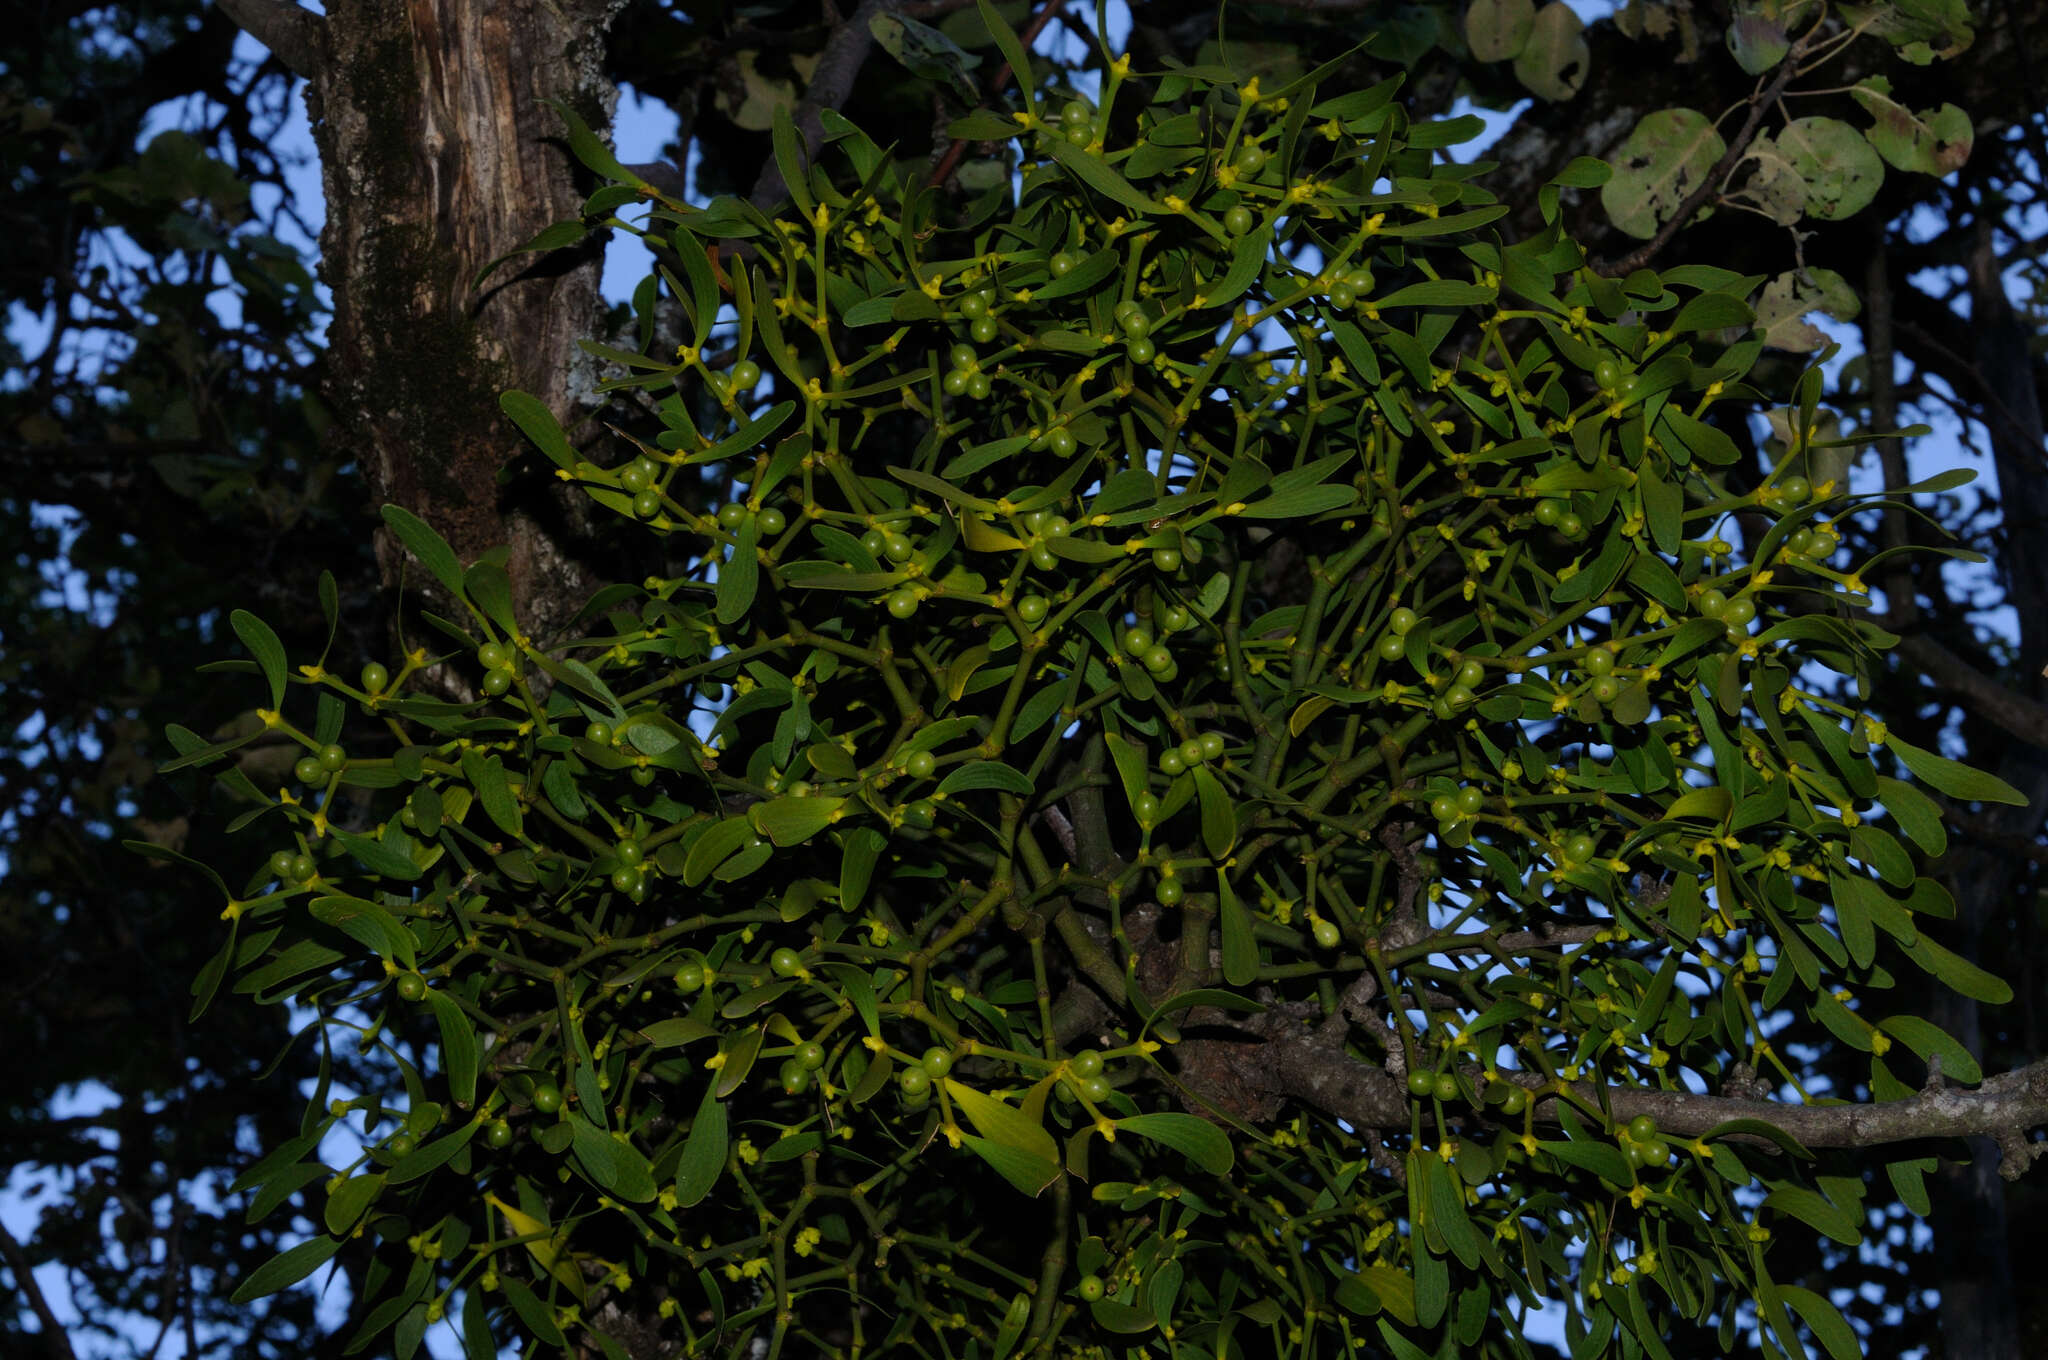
{"x": 1840, "y": 168}
{"x": 1669, "y": 154}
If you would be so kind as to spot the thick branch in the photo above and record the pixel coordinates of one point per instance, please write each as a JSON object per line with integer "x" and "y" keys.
{"x": 2020, "y": 716}
{"x": 2004, "y": 1107}
{"x": 838, "y": 66}
{"x": 55, "y": 1341}
{"x": 293, "y": 35}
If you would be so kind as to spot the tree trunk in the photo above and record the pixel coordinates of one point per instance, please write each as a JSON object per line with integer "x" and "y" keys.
{"x": 437, "y": 157}
{"x": 1979, "y": 1319}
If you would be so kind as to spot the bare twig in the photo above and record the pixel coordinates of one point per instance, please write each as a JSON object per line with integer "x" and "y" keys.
{"x": 55, "y": 1341}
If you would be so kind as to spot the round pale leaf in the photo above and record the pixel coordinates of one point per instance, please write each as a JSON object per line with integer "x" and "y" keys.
{"x": 1773, "y": 187}
{"x": 1929, "y": 142}
{"x": 1498, "y": 30}
{"x": 1787, "y": 299}
{"x": 1669, "y": 154}
{"x": 1840, "y": 167}
{"x": 1554, "y": 61}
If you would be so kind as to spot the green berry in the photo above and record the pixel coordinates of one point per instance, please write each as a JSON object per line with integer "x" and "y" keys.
{"x": 1087, "y": 1063}
{"x": 1091, "y": 1288}
{"x": 494, "y": 656}
{"x": 1033, "y": 608}
{"x": 498, "y": 1134}
{"x": 936, "y": 1062}
{"x": 773, "y": 521}
{"x": 745, "y": 374}
{"x": 309, "y": 771}
{"x": 547, "y": 1097}
{"x": 810, "y": 1056}
{"x": 690, "y": 977}
{"x": 786, "y": 962}
{"x": 1171, "y": 762}
{"x": 1403, "y": 621}
{"x": 497, "y": 682}
{"x": 1212, "y": 745}
{"x": 375, "y": 678}
{"x": 1445, "y": 1087}
{"x": 1421, "y": 1083}
{"x": 915, "y": 1081}
{"x": 1642, "y": 1128}
{"x": 920, "y": 764}
{"x": 903, "y": 603}
{"x": 412, "y": 987}
{"x": 1239, "y": 221}
{"x": 1145, "y": 807}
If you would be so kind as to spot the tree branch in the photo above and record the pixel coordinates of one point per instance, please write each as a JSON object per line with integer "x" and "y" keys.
{"x": 1711, "y": 185}
{"x": 838, "y": 66}
{"x": 2005, "y": 1108}
{"x": 294, "y": 36}
{"x": 55, "y": 1340}
{"x": 2022, "y": 717}
{"x": 949, "y": 162}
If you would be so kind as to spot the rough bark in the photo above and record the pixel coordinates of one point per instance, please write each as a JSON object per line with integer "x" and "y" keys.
{"x": 437, "y": 156}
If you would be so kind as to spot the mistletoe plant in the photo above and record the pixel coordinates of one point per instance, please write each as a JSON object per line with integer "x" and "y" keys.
{"x": 1216, "y": 785}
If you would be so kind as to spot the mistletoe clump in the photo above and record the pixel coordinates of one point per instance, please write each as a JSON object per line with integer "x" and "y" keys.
{"x": 1204, "y": 776}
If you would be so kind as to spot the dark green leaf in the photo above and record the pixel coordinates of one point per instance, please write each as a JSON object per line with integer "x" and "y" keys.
{"x": 429, "y": 547}
{"x": 285, "y": 1269}
{"x": 1194, "y": 1138}
{"x": 262, "y": 643}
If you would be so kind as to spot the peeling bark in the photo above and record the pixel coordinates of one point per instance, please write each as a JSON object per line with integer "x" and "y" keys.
{"x": 438, "y": 156}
